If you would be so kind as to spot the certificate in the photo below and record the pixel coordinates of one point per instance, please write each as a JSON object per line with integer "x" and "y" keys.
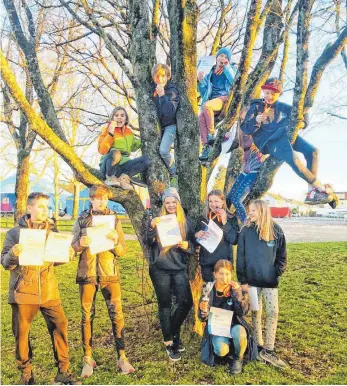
{"x": 33, "y": 241}
{"x": 253, "y": 298}
{"x": 58, "y": 247}
{"x": 99, "y": 241}
{"x": 109, "y": 220}
{"x": 219, "y": 322}
{"x": 168, "y": 230}
{"x": 205, "y": 63}
{"x": 215, "y": 235}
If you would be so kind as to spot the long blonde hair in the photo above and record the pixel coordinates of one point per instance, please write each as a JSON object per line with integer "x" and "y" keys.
{"x": 181, "y": 219}
{"x": 264, "y": 224}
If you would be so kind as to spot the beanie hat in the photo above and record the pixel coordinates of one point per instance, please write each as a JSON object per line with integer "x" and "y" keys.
{"x": 171, "y": 192}
{"x": 273, "y": 84}
{"x": 226, "y": 51}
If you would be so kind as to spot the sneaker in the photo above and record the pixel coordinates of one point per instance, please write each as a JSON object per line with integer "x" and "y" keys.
{"x": 177, "y": 342}
{"x": 173, "y": 353}
{"x": 66, "y": 378}
{"x": 271, "y": 357}
{"x": 124, "y": 366}
{"x": 236, "y": 366}
{"x": 88, "y": 366}
{"x": 27, "y": 378}
{"x": 137, "y": 181}
{"x": 124, "y": 180}
{"x": 112, "y": 181}
{"x": 205, "y": 153}
{"x": 174, "y": 181}
{"x": 315, "y": 197}
{"x": 210, "y": 139}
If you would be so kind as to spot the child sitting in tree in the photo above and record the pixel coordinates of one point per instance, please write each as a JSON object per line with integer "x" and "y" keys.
{"x": 214, "y": 89}
{"x": 268, "y": 122}
{"x": 166, "y": 99}
{"x": 116, "y": 142}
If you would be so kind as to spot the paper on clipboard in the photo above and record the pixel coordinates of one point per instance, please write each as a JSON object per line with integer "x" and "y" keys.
{"x": 58, "y": 247}
{"x": 205, "y": 63}
{"x": 168, "y": 230}
{"x": 215, "y": 235}
{"x": 33, "y": 241}
{"x": 219, "y": 322}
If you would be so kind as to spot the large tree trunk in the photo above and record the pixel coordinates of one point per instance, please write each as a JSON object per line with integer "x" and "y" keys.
{"x": 76, "y": 199}
{"x": 22, "y": 183}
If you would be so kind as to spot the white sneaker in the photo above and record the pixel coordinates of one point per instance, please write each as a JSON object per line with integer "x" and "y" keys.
{"x": 88, "y": 366}
{"x": 124, "y": 366}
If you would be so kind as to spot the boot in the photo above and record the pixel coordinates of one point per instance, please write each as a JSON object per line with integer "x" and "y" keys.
{"x": 125, "y": 184}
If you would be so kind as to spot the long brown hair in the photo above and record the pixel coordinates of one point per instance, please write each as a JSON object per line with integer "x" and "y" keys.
{"x": 218, "y": 193}
{"x": 264, "y": 224}
{"x": 117, "y": 108}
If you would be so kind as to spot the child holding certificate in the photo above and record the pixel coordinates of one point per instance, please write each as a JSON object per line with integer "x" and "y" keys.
{"x": 34, "y": 288}
{"x": 100, "y": 271}
{"x": 223, "y": 304}
{"x": 261, "y": 260}
{"x": 216, "y": 211}
{"x": 168, "y": 272}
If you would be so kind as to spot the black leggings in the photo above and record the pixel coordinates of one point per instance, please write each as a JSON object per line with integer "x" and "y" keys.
{"x": 167, "y": 283}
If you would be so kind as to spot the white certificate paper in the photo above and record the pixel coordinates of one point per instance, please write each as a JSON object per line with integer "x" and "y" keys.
{"x": 215, "y": 235}
{"x": 205, "y": 63}
{"x": 253, "y": 298}
{"x": 109, "y": 220}
{"x": 33, "y": 241}
{"x": 168, "y": 230}
{"x": 219, "y": 322}
{"x": 58, "y": 247}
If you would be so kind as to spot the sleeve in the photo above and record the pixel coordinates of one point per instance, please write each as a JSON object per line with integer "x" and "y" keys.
{"x": 231, "y": 231}
{"x": 8, "y": 259}
{"x": 120, "y": 249}
{"x": 202, "y": 86}
{"x": 249, "y": 124}
{"x": 136, "y": 144}
{"x": 241, "y": 260}
{"x": 169, "y": 103}
{"x": 77, "y": 234}
{"x": 151, "y": 234}
{"x": 190, "y": 238}
{"x": 105, "y": 141}
{"x": 241, "y": 300}
{"x": 281, "y": 255}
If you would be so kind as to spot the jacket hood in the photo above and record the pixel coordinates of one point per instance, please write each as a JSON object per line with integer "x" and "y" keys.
{"x": 23, "y": 221}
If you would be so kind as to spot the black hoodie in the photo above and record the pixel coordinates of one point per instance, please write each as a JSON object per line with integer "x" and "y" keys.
{"x": 260, "y": 263}
{"x": 167, "y": 105}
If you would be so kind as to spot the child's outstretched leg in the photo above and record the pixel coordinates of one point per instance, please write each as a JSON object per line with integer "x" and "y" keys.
{"x": 167, "y": 141}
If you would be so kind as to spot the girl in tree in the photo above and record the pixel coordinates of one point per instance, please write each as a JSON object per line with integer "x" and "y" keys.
{"x": 226, "y": 294}
{"x": 168, "y": 272}
{"x": 116, "y": 142}
{"x": 261, "y": 260}
{"x": 216, "y": 211}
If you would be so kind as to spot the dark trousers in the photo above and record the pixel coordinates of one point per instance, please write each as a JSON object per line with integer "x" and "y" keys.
{"x": 241, "y": 187}
{"x": 131, "y": 167}
{"x": 207, "y": 273}
{"x": 283, "y": 150}
{"x": 167, "y": 283}
{"x": 22, "y": 316}
{"x": 112, "y": 295}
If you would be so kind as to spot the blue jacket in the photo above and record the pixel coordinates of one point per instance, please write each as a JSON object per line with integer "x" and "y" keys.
{"x": 167, "y": 105}
{"x": 205, "y": 86}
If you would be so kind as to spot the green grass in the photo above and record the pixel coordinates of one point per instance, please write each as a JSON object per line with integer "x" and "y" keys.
{"x": 311, "y": 335}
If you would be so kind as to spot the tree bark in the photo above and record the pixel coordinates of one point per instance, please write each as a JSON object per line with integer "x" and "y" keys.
{"x": 22, "y": 183}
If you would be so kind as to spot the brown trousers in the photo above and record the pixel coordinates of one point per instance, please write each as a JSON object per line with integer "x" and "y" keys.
{"x": 112, "y": 295}
{"x": 22, "y": 316}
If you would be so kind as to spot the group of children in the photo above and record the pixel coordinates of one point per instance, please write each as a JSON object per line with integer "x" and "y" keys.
{"x": 261, "y": 247}
{"x": 261, "y": 260}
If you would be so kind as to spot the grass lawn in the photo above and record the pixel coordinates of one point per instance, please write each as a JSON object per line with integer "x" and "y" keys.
{"x": 311, "y": 335}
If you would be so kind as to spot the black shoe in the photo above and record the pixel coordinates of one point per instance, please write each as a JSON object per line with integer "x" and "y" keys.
{"x": 236, "y": 367}
{"x": 173, "y": 353}
{"x": 66, "y": 378}
{"x": 205, "y": 153}
{"x": 27, "y": 378}
{"x": 177, "y": 342}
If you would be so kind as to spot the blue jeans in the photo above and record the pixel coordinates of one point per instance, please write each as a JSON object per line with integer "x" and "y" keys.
{"x": 168, "y": 138}
{"x": 239, "y": 192}
{"x": 239, "y": 339}
{"x": 283, "y": 150}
